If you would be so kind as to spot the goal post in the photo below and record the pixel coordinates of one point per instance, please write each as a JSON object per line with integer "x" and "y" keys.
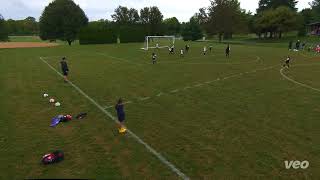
{"x": 154, "y": 42}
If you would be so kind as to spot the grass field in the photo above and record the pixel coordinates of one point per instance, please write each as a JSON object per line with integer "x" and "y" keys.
{"x": 211, "y": 117}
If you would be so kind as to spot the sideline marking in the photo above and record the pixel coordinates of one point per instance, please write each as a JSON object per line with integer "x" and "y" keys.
{"x": 138, "y": 139}
{"x": 296, "y": 82}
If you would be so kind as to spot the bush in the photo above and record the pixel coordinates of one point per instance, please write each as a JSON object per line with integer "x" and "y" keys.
{"x": 133, "y": 33}
{"x": 90, "y": 35}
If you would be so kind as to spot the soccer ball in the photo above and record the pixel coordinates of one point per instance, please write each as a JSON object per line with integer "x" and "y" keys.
{"x": 57, "y": 104}
{"x": 45, "y": 95}
{"x": 122, "y": 130}
{"x": 51, "y": 100}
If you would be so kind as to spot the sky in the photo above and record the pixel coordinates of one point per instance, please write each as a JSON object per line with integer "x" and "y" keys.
{"x": 102, "y": 9}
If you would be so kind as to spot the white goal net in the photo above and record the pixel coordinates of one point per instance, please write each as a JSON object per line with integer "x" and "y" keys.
{"x": 154, "y": 42}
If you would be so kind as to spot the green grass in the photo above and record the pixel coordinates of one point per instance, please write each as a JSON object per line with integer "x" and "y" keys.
{"x": 242, "y": 127}
{"x": 25, "y": 39}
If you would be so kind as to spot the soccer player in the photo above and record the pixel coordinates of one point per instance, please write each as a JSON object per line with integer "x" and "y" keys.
{"x": 204, "y": 50}
{"x": 121, "y": 115}
{"x": 228, "y": 51}
{"x": 187, "y": 48}
{"x": 298, "y": 45}
{"x": 287, "y": 62}
{"x": 181, "y": 53}
{"x": 157, "y": 46}
{"x": 64, "y": 68}
{"x": 171, "y": 50}
{"x": 290, "y": 45}
{"x": 154, "y": 58}
{"x": 210, "y": 48}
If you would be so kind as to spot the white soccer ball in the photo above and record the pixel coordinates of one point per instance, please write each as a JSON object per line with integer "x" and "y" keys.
{"x": 57, "y": 104}
{"x": 51, "y": 100}
{"x": 45, "y": 95}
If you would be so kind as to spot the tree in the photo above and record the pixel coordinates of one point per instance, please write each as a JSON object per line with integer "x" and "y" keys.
{"x": 62, "y": 19}
{"x": 172, "y": 26}
{"x": 305, "y": 17}
{"x": 31, "y": 25}
{"x": 225, "y": 17}
{"x": 284, "y": 19}
{"x": 315, "y": 5}
{"x": 273, "y": 4}
{"x": 152, "y": 18}
{"x": 275, "y": 21}
{"x": 3, "y": 30}
{"x": 192, "y": 30}
{"x": 123, "y": 15}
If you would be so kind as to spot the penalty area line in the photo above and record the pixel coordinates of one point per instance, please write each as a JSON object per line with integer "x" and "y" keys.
{"x": 137, "y": 138}
{"x": 296, "y": 82}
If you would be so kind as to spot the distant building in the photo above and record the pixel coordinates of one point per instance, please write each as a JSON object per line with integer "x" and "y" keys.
{"x": 314, "y": 28}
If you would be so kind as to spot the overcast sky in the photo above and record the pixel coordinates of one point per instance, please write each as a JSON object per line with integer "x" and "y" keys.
{"x": 102, "y": 9}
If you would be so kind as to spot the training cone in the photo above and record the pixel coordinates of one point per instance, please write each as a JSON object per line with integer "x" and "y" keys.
{"x": 122, "y": 130}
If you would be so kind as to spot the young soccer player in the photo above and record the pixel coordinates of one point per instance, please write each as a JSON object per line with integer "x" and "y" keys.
{"x": 64, "y": 68}
{"x": 290, "y": 45}
{"x": 181, "y": 53}
{"x": 204, "y": 50}
{"x": 210, "y": 48}
{"x": 154, "y": 58}
{"x": 187, "y": 48}
{"x": 171, "y": 50}
{"x": 121, "y": 115}
{"x": 228, "y": 51}
{"x": 298, "y": 45}
{"x": 287, "y": 62}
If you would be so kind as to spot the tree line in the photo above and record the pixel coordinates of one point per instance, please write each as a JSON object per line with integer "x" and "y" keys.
{"x": 63, "y": 19}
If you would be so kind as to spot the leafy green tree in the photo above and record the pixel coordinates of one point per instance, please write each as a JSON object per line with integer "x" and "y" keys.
{"x": 3, "y": 29}
{"x": 172, "y": 26}
{"x": 285, "y": 20}
{"x": 152, "y": 18}
{"x": 192, "y": 30}
{"x": 275, "y": 22}
{"x": 273, "y": 4}
{"x": 315, "y": 5}
{"x": 31, "y": 25}
{"x": 305, "y": 17}
{"x": 28, "y": 26}
{"x": 123, "y": 15}
{"x": 62, "y": 19}
{"x": 225, "y": 17}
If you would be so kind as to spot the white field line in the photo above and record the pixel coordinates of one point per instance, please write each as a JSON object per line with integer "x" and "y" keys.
{"x": 138, "y": 139}
{"x": 296, "y": 82}
{"x": 144, "y": 99}
{"x": 175, "y": 91}
{"x": 160, "y": 94}
{"x": 209, "y": 63}
{"x": 201, "y": 84}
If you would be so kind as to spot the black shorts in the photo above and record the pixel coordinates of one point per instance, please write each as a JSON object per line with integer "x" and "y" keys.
{"x": 65, "y": 73}
{"x": 121, "y": 117}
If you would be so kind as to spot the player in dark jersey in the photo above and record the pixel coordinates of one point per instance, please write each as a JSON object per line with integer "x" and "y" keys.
{"x": 64, "y": 68}
{"x": 187, "y": 48}
{"x": 154, "y": 58}
{"x": 121, "y": 114}
{"x": 287, "y": 62}
{"x": 228, "y": 51}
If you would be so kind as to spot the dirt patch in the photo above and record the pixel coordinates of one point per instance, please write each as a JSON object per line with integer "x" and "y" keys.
{"x": 11, "y": 45}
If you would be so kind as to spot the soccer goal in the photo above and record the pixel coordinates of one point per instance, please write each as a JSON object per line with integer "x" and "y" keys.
{"x": 154, "y": 42}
